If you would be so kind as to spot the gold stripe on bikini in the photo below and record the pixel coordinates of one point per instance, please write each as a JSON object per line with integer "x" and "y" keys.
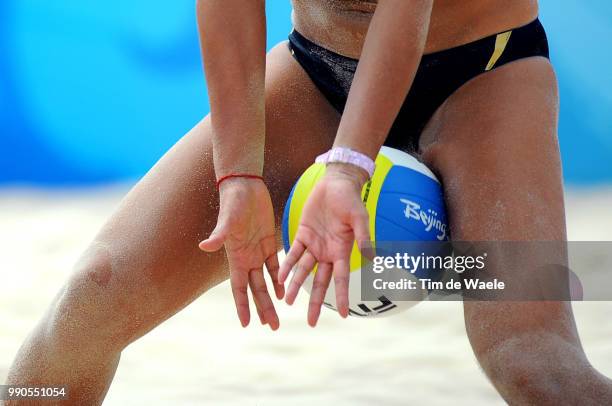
{"x": 501, "y": 42}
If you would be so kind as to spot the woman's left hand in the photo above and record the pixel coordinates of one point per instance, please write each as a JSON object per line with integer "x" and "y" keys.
{"x": 332, "y": 219}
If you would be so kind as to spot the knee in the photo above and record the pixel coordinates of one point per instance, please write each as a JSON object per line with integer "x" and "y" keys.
{"x": 534, "y": 369}
{"x": 521, "y": 378}
{"x": 93, "y": 308}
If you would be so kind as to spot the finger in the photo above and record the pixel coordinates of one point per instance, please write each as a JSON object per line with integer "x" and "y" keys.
{"x": 260, "y": 314}
{"x": 341, "y": 282}
{"x": 272, "y": 267}
{"x": 319, "y": 288}
{"x": 361, "y": 230}
{"x": 215, "y": 241}
{"x": 293, "y": 256}
{"x": 239, "y": 282}
{"x": 260, "y": 294}
{"x": 302, "y": 270}
{"x": 258, "y": 305}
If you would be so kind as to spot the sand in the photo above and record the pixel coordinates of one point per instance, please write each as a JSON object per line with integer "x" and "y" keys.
{"x": 203, "y": 356}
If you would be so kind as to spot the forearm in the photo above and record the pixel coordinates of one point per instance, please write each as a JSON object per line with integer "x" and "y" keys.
{"x": 233, "y": 42}
{"x": 392, "y": 51}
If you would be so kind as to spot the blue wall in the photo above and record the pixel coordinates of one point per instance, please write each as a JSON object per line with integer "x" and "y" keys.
{"x": 97, "y": 91}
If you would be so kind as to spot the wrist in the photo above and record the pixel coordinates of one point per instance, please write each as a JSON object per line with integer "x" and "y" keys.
{"x": 238, "y": 155}
{"x": 348, "y": 171}
{"x": 348, "y": 156}
{"x": 237, "y": 180}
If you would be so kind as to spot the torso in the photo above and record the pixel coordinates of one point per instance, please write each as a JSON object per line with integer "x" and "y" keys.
{"x": 341, "y": 25}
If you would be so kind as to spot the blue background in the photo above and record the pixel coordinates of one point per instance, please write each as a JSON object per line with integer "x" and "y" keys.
{"x": 94, "y": 92}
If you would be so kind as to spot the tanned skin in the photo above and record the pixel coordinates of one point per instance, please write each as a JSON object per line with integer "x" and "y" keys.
{"x": 145, "y": 264}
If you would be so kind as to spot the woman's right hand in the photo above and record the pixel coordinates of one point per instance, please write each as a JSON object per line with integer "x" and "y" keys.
{"x": 245, "y": 227}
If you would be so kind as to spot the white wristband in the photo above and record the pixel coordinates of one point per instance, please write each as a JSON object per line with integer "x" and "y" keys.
{"x": 348, "y": 156}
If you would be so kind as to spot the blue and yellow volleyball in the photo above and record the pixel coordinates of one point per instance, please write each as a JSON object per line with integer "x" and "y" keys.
{"x": 404, "y": 201}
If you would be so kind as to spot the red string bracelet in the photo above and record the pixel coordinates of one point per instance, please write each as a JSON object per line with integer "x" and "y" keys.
{"x": 238, "y": 175}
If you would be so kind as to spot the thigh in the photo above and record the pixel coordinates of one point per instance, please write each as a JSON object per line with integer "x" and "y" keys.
{"x": 494, "y": 145}
{"x": 494, "y": 142}
{"x": 145, "y": 264}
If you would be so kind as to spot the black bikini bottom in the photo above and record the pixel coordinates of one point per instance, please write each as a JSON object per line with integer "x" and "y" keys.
{"x": 438, "y": 76}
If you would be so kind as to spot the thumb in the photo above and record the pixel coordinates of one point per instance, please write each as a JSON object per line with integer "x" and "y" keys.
{"x": 361, "y": 227}
{"x": 215, "y": 241}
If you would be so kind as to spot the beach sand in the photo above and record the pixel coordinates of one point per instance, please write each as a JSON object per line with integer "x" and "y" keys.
{"x": 203, "y": 356}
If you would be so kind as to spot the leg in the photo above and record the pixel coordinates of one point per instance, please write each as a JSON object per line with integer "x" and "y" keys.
{"x": 494, "y": 144}
{"x": 145, "y": 265}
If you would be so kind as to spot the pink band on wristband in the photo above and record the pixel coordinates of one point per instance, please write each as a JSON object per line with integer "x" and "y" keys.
{"x": 347, "y": 156}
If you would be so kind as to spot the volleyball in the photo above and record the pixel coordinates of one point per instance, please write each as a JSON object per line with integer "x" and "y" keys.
{"x": 405, "y": 203}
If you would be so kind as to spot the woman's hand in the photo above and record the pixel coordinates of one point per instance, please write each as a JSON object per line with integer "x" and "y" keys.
{"x": 246, "y": 228}
{"x": 332, "y": 219}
